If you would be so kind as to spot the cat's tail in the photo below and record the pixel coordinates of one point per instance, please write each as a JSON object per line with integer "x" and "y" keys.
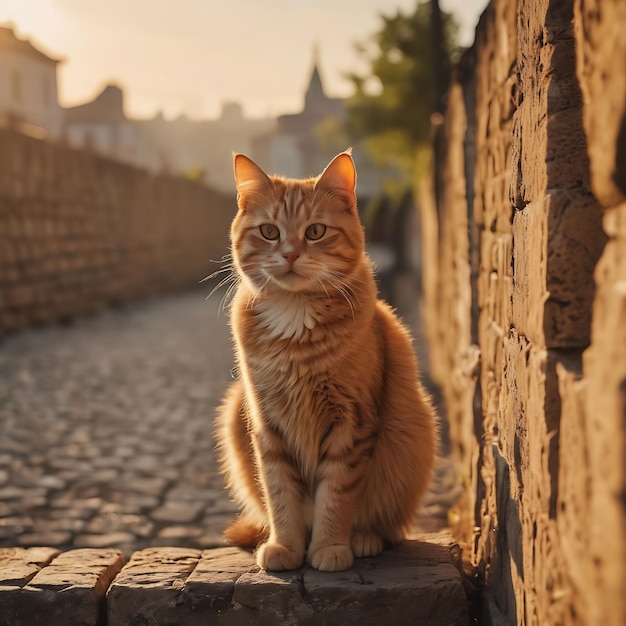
{"x": 245, "y": 533}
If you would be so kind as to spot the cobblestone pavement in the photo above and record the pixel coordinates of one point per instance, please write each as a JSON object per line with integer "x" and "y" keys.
{"x": 106, "y": 430}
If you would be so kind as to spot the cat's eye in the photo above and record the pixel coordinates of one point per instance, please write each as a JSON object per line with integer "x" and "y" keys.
{"x": 270, "y": 232}
{"x": 315, "y": 231}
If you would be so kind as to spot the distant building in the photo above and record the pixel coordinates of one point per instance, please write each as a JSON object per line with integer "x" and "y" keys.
{"x": 201, "y": 149}
{"x": 304, "y": 143}
{"x": 295, "y": 148}
{"x": 28, "y": 85}
{"x": 102, "y": 126}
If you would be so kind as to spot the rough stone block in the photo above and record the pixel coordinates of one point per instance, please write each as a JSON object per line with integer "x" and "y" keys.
{"x": 217, "y": 570}
{"x": 601, "y": 67}
{"x": 416, "y": 583}
{"x": 147, "y": 590}
{"x": 575, "y": 487}
{"x": 69, "y": 590}
{"x": 604, "y": 365}
{"x": 557, "y": 241}
{"x": 529, "y": 285}
{"x": 19, "y": 565}
{"x": 575, "y": 243}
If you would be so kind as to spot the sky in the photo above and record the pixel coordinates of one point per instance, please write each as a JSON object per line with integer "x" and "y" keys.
{"x": 191, "y": 56}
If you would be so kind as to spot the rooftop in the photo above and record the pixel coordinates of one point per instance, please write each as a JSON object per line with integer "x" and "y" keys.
{"x": 9, "y": 41}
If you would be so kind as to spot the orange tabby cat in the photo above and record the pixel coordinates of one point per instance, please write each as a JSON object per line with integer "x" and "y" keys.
{"x": 327, "y": 439}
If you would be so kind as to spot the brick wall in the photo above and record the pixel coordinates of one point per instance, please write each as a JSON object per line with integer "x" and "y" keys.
{"x": 79, "y": 232}
{"x": 525, "y": 304}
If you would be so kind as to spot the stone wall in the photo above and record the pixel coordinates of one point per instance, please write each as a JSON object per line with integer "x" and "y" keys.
{"x": 79, "y": 232}
{"x": 525, "y": 305}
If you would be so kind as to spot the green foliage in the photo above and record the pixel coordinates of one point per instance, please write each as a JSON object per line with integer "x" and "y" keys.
{"x": 332, "y": 136}
{"x": 197, "y": 173}
{"x": 392, "y": 104}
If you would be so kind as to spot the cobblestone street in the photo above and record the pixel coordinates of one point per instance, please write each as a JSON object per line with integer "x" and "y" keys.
{"x": 106, "y": 430}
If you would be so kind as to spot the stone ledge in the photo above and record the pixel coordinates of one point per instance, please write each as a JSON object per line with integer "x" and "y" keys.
{"x": 417, "y": 583}
{"x": 41, "y": 586}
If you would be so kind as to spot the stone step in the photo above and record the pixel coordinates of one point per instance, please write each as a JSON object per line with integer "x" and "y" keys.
{"x": 39, "y": 586}
{"x": 417, "y": 583}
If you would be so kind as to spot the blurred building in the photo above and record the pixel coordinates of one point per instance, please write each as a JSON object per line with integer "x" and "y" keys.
{"x": 298, "y": 146}
{"x": 200, "y": 149}
{"x": 203, "y": 149}
{"x": 28, "y": 86}
{"x": 303, "y": 143}
{"x": 102, "y": 126}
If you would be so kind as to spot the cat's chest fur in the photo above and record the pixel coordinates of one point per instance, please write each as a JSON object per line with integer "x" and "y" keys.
{"x": 287, "y": 315}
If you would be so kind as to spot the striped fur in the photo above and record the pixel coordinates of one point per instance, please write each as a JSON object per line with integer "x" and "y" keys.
{"x": 326, "y": 439}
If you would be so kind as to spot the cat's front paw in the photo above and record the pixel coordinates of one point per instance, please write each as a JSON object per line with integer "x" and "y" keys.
{"x": 335, "y": 558}
{"x": 366, "y": 544}
{"x": 277, "y": 557}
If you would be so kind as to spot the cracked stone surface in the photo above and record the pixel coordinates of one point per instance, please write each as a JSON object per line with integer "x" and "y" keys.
{"x": 417, "y": 583}
{"x": 39, "y": 586}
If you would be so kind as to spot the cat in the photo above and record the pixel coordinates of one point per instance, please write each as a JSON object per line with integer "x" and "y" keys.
{"x": 327, "y": 439}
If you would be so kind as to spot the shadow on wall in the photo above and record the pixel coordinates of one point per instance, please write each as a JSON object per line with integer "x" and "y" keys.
{"x": 576, "y": 238}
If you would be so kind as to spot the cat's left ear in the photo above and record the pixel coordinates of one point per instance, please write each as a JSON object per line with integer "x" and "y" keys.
{"x": 339, "y": 178}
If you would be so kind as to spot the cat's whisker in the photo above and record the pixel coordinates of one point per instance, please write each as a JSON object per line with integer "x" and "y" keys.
{"x": 231, "y": 273}
{"x": 224, "y": 281}
{"x": 252, "y": 300}
{"x": 353, "y": 294}
{"x": 226, "y": 262}
{"x": 228, "y": 271}
{"x": 225, "y": 300}
{"x": 349, "y": 301}
{"x": 346, "y": 279}
{"x": 263, "y": 287}
{"x": 228, "y": 268}
{"x": 352, "y": 278}
{"x": 347, "y": 294}
{"x": 323, "y": 286}
{"x": 220, "y": 285}
{"x": 339, "y": 283}
{"x": 228, "y": 295}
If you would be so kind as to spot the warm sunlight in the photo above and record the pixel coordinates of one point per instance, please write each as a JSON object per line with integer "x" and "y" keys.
{"x": 189, "y": 57}
{"x": 313, "y": 286}
{"x": 45, "y": 20}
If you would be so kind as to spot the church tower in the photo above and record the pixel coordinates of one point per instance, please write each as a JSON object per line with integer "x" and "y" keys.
{"x": 294, "y": 148}
{"x": 315, "y": 100}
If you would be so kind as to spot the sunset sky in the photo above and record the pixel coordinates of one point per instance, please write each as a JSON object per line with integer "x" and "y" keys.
{"x": 189, "y": 56}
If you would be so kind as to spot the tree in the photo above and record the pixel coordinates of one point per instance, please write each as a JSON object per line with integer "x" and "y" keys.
{"x": 410, "y": 61}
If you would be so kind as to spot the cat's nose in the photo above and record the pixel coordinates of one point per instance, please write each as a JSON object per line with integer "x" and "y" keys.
{"x": 291, "y": 257}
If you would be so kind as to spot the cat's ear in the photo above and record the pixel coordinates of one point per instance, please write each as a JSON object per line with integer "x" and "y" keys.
{"x": 249, "y": 178}
{"x": 339, "y": 178}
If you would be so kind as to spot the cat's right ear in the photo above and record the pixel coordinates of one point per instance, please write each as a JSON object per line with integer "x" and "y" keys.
{"x": 250, "y": 179}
